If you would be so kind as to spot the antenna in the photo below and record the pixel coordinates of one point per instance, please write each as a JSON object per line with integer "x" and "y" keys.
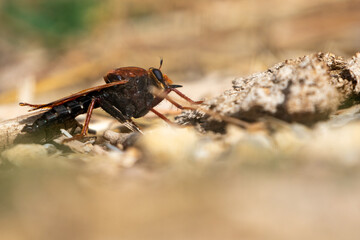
{"x": 161, "y": 62}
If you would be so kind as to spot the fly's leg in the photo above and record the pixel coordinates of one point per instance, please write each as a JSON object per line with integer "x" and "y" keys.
{"x": 164, "y": 118}
{"x": 164, "y": 95}
{"x": 228, "y": 119}
{"x": 185, "y": 97}
{"x": 178, "y": 105}
{"x": 159, "y": 98}
{"x": 85, "y": 128}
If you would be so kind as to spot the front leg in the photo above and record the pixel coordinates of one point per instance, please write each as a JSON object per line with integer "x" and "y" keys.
{"x": 161, "y": 95}
{"x": 185, "y": 97}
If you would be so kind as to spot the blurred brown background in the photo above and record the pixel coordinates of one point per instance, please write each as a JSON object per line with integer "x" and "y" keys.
{"x": 49, "y": 49}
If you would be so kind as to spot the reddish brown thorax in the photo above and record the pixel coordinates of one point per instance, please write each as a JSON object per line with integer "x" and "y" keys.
{"x": 124, "y": 73}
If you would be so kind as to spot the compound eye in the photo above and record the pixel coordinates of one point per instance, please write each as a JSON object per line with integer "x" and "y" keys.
{"x": 158, "y": 74}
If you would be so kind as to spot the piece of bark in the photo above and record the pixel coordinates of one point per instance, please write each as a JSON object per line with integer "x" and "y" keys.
{"x": 11, "y": 130}
{"x": 304, "y": 90}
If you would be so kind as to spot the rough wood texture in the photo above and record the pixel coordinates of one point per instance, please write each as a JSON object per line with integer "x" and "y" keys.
{"x": 305, "y": 90}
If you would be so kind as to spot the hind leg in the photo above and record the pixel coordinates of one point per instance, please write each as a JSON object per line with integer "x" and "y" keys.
{"x": 85, "y": 128}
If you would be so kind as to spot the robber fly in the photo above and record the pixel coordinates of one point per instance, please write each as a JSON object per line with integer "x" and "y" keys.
{"x": 128, "y": 93}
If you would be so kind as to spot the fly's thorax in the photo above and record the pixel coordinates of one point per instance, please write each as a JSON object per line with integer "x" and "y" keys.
{"x": 112, "y": 77}
{"x": 125, "y": 73}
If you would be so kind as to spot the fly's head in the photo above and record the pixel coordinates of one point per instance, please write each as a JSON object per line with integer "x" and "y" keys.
{"x": 161, "y": 80}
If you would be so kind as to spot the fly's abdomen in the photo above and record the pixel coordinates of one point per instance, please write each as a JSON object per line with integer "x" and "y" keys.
{"x": 60, "y": 113}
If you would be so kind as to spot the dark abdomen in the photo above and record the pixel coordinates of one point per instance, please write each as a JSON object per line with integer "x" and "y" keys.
{"x": 60, "y": 113}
